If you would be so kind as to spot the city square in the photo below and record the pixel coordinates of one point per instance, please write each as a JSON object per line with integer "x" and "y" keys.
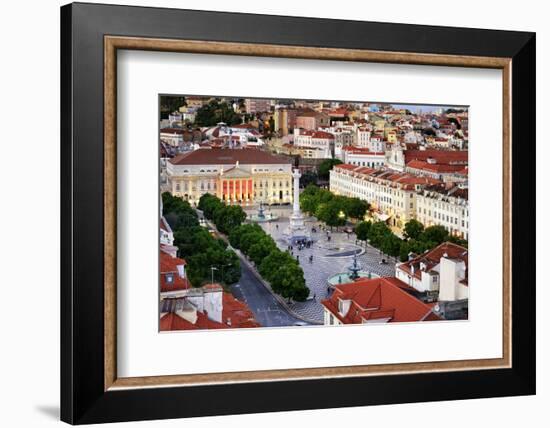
{"x": 330, "y": 257}
{"x": 295, "y": 213}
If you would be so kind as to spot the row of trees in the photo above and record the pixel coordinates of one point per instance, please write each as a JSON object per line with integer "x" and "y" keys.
{"x": 197, "y": 246}
{"x": 283, "y": 272}
{"x": 417, "y": 239}
{"x": 225, "y": 217}
{"x": 279, "y": 268}
{"x": 332, "y": 209}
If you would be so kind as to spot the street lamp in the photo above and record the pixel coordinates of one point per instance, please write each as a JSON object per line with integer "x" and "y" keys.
{"x": 212, "y": 269}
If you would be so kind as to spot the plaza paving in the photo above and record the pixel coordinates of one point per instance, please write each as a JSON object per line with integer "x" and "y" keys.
{"x": 327, "y": 259}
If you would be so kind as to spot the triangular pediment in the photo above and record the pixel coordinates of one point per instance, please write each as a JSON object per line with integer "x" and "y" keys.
{"x": 236, "y": 172}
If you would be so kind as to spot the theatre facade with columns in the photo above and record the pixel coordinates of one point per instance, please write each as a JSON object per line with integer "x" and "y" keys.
{"x": 236, "y": 176}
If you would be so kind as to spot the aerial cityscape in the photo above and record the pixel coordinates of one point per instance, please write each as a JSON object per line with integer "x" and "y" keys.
{"x": 296, "y": 213}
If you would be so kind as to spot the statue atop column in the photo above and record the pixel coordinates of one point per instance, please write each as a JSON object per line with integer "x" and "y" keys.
{"x": 296, "y": 230}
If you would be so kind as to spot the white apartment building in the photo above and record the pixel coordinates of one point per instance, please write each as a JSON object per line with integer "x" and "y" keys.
{"x": 447, "y": 207}
{"x": 363, "y": 137}
{"x": 441, "y": 274}
{"x": 398, "y": 197}
{"x": 363, "y": 157}
{"x": 391, "y": 194}
{"x": 314, "y": 144}
{"x": 172, "y": 136}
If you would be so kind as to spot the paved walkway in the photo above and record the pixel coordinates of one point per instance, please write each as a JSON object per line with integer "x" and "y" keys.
{"x": 327, "y": 260}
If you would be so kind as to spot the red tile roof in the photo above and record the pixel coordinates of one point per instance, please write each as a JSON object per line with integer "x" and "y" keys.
{"x": 362, "y": 151}
{"x": 374, "y": 299}
{"x": 172, "y": 321}
{"x": 235, "y": 314}
{"x": 177, "y": 131}
{"x": 440, "y": 168}
{"x": 238, "y": 312}
{"x": 216, "y": 156}
{"x": 433, "y": 257}
{"x": 441, "y": 156}
{"x": 323, "y": 135}
{"x": 403, "y": 179}
{"x": 243, "y": 126}
{"x": 169, "y": 264}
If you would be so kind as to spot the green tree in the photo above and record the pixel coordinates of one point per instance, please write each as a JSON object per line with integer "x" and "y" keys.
{"x": 307, "y": 178}
{"x": 168, "y": 104}
{"x": 331, "y": 213}
{"x": 436, "y": 234}
{"x": 261, "y": 249}
{"x": 215, "y": 112}
{"x": 391, "y": 245}
{"x": 404, "y": 251}
{"x": 362, "y": 230}
{"x": 324, "y": 167}
{"x": 458, "y": 241}
{"x": 378, "y": 231}
{"x": 308, "y": 203}
{"x": 268, "y": 267}
{"x": 310, "y": 190}
{"x": 413, "y": 229}
{"x": 208, "y": 204}
{"x": 248, "y": 239}
{"x": 355, "y": 208}
{"x": 289, "y": 282}
{"x": 227, "y": 218}
{"x": 238, "y": 232}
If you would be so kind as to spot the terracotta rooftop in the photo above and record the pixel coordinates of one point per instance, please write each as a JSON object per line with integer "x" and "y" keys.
{"x": 235, "y": 314}
{"x": 403, "y": 179}
{"x": 438, "y": 168}
{"x": 169, "y": 265}
{"x": 322, "y": 134}
{"x": 377, "y": 299}
{"x": 441, "y": 156}
{"x": 217, "y": 156}
{"x": 433, "y": 257}
{"x": 172, "y": 131}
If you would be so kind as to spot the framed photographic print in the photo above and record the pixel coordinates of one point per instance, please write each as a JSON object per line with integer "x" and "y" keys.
{"x": 275, "y": 213}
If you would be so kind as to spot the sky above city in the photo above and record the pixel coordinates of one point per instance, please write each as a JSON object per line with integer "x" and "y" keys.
{"x": 415, "y": 108}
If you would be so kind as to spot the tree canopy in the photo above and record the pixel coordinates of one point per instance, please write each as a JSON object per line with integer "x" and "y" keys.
{"x": 413, "y": 229}
{"x": 197, "y": 246}
{"x": 332, "y": 209}
{"x": 324, "y": 168}
{"x": 214, "y": 112}
{"x": 279, "y": 268}
{"x": 417, "y": 238}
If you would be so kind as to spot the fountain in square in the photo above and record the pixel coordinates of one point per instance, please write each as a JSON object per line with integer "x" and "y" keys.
{"x": 262, "y": 217}
{"x": 354, "y": 272}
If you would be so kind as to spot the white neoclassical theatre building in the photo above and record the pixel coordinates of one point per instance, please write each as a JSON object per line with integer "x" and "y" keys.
{"x": 240, "y": 176}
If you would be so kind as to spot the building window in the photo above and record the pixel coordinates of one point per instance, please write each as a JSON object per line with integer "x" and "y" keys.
{"x": 169, "y": 278}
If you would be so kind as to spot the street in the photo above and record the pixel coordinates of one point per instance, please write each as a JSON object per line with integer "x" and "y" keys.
{"x": 268, "y": 311}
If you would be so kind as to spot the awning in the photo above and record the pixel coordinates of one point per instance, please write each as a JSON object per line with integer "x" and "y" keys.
{"x": 382, "y": 217}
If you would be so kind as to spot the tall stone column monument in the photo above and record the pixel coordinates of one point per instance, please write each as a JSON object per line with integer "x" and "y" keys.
{"x": 296, "y": 230}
